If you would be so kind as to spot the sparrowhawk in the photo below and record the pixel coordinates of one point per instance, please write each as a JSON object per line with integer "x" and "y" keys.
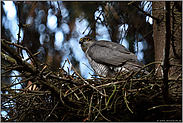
{"x": 107, "y": 58}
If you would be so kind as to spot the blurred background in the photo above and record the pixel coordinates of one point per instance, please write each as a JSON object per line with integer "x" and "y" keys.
{"x": 55, "y": 27}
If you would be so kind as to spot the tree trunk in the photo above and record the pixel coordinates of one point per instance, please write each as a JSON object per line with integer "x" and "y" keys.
{"x": 158, "y": 33}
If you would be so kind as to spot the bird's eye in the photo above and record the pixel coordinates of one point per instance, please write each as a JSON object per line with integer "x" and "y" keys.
{"x": 87, "y": 39}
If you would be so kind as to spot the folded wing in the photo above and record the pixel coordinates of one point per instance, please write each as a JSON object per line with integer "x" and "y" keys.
{"x": 111, "y": 53}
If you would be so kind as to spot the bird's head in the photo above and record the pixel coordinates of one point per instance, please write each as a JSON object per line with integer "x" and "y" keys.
{"x": 85, "y": 42}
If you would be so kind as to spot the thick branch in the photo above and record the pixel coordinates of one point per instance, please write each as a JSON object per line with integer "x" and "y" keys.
{"x": 147, "y": 14}
{"x": 17, "y": 57}
{"x": 8, "y": 58}
{"x": 166, "y": 60}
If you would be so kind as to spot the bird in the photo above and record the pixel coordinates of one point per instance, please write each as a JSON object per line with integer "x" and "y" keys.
{"x": 108, "y": 58}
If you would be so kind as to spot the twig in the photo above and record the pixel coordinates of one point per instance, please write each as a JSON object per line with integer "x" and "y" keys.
{"x": 145, "y": 36}
{"x": 176, "y": 71}
{"x": 124, "y": 96}
{"x": 147, "y": 14}
{"x": 178, "y": 76}
{"x": 76, "y": 88}
{"x": 164, "y": 106}
{"x": 74, "y": 93}
{"x": 64, "y": 79}
{"x": 80, "y": 90}
{"x": 89, "y": 110}
{"x": 126, "y": 101}
{"x": 25, "y": 80}
{"x": 111, "y": 96}
{"x": 25, "y": 48}
{"x": 86, "y": 81}
{"x": 34, "y": 55}
{"x": 20, "y": 26}
{"x": 101, "y": 114}
{"x": 99, "y": 109}
{"x": 51, "y": 111}
{"x": 61, "y": 97}
{"x": 17, "y": 57}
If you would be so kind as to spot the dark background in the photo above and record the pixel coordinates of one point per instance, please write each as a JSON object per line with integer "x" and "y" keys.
{"x": 56, "y": 27}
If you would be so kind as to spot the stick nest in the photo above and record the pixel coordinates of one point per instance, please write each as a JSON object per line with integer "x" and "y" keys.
{"x": 59, "y": 96}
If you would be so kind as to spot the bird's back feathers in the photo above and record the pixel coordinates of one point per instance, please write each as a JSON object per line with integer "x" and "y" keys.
{"x": 111, "y": 53}
{"x": 107, "y": 58}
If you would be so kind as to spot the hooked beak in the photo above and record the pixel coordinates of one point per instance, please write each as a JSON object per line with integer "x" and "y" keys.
{"x": 81, "y": 41}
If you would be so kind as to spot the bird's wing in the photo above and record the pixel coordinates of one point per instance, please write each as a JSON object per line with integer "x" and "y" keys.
{"x": 113, "y": 46}
{"x": 111, "y": 53}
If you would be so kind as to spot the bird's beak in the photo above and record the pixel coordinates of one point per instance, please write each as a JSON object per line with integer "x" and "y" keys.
{"x": 81, "y": 41}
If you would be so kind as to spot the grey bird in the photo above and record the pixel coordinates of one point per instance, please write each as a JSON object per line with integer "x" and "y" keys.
{"x": 107, "y": 58}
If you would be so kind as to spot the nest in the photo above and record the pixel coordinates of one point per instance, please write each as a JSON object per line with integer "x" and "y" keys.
{"x": 59, "y": 96}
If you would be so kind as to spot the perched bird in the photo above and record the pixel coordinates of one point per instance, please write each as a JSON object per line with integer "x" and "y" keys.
{"x": 107, "y": 58}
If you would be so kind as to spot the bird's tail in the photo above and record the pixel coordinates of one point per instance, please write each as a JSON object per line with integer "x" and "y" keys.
{"x": 136, "y": 67}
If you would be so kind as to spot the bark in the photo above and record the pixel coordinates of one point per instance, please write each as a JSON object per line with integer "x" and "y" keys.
{"x": 167, "y": 50}
{"x": 176, "y": 40}
{"x": 158, "y": 33}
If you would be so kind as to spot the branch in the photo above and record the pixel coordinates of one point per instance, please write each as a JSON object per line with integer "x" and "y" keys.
{"x": 17, "y": 57}
{"x": 86, "y": 81}
{"x": 20, "y": 26}
{"x": 8, "y": 59}
{"x": 147, "y": 14}
{"x": 166, "y": 60}
{"x": 25, "y": 48}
